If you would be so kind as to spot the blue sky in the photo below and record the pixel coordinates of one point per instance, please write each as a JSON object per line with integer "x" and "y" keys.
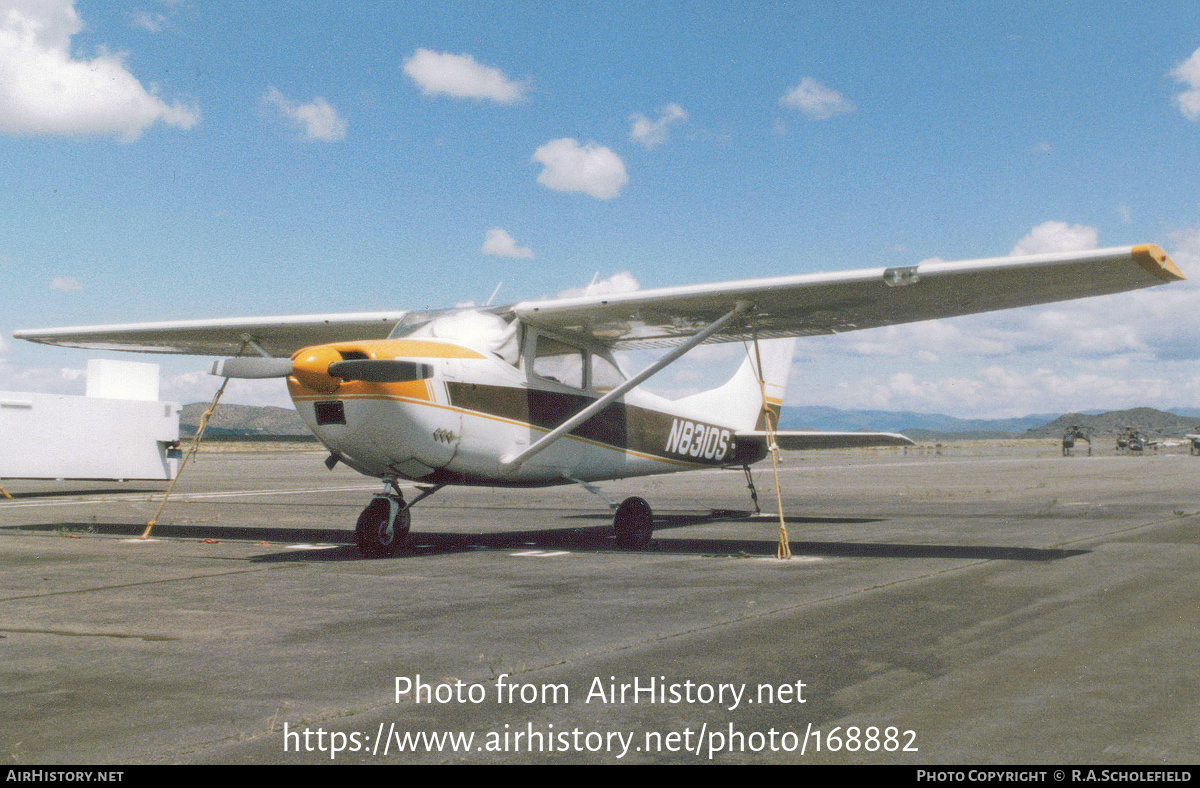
{"x": 172, "y": 160}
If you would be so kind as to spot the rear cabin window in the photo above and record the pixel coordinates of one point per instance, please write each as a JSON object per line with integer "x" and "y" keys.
{"x": 605, "y": 374}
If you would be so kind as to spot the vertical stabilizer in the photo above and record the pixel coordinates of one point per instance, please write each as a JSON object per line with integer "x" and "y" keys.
{"x": 739, "y": 402}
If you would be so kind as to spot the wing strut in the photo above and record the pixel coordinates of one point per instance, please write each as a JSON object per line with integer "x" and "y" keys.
{"x": 514, "y": 461}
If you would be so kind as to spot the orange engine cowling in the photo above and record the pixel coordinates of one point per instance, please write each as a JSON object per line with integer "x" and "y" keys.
{"x": 389, "y": 366}
{"x": 310, "y": 368}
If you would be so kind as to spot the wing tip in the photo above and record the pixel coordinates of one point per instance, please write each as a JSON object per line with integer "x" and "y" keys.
{"x": 1156, "y": 261}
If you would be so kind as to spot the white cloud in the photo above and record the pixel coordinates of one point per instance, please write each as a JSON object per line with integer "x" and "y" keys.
{"x": 931, "y": 338}
{"x": 42, "y": 380}
{"x": 318, "y": 120}
{"x": 66, "y": 284}
{"x": 1188, "y": 72}
{"x": 1056, "y": 237}
{"x": 817, "y": 101}
{"x": 44, "y": 90}
{"x": 1083, "y": 330}
{"x": 145, "y": 20}
{"x": 591, "y": 169}
{"x": 652, "y": 133}
{"x": 622, "y": 282}
{"x": 1003, "y": 390}
{"x": 498, "y": 242}
{"x": 461, "y": 76}
{"x": 1118, "y": 351}
{"x": 1187, "y": 244}
{"x": 1145, "y": 326}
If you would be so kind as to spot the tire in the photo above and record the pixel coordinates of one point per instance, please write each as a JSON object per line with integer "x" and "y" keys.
{"x": 634, "y": 524}
{"x": 376, "y": 535}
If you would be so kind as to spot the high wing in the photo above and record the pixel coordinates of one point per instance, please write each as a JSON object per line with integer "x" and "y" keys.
{"x": 800, "y": 305}
{"x": 831, "y": 303}
{"x": 279, "y": 336}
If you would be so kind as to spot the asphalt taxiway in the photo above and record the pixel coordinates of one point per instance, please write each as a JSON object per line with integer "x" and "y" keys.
{"x": 988, "y": 602}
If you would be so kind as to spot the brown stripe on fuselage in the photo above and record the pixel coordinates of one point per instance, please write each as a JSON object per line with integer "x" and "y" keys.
{"x": 618, "y": 425}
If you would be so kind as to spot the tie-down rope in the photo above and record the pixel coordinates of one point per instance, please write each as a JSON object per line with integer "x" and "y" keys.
{"x": 784, "y": 550}
{"x": 191, "y": 449}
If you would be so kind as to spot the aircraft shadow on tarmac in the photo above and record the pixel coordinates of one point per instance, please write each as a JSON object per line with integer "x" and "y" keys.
{"x": 317, "y": 544}
{"x": 76, "y": 492}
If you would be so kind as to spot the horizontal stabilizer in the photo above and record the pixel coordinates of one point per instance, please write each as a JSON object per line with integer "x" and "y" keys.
{"x": 798, "y": 440}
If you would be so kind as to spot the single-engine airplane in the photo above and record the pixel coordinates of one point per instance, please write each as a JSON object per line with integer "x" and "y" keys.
{"x": 530, "y": 394}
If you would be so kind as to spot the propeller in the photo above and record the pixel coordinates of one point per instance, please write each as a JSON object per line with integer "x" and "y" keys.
{"x": 252, "y": 367}
{"x": 371, "y": 370}
{"x": 365, "y": 369}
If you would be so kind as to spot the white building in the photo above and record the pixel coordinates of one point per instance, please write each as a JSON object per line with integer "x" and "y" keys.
{"x": 119, "y": 430}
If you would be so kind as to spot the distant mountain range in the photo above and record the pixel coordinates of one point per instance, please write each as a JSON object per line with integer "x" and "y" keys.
{"x": 929, "y": 426}
{"x": 912, "y": 424}
{"x": 1155, "y": 423}
{"x": 247, "y": 422}
{"x": 242, "y": 422}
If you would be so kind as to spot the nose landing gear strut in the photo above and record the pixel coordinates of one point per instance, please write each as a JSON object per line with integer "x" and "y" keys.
{"x": 383, "y": 526}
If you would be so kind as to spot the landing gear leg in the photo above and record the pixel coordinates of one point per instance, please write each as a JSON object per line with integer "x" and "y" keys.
{"x": 634, "y": 524}
{"x": 383, "y": 525}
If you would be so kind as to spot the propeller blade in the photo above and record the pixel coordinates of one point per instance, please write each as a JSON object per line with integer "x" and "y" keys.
{"x": 252, "y": 367}
{"x": 380, "y": 370}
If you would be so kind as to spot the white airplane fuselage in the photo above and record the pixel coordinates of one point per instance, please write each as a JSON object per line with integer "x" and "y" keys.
{"x": 456, "y": 425}
{"x": 529, "y": 394}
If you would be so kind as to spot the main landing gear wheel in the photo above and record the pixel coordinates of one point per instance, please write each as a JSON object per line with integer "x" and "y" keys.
{"x": 634, "y": 524}
{"x": 382, "y": 527}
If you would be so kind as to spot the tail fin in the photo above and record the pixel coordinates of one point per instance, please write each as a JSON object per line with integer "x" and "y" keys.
{"x": 739, "y": 403}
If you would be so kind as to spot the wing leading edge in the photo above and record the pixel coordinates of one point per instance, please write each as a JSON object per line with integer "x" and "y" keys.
{"x": 799, "y": 305}
{"x": 279, "y": 336}
{"x": 831, "y": 303}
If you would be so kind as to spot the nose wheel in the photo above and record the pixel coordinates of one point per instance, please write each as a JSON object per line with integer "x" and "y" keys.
{"x": 634, "y": 524}
{"x": 382, "y": 526}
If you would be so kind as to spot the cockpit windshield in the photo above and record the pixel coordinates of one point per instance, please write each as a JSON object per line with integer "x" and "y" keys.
{"x": 483, "y": 331}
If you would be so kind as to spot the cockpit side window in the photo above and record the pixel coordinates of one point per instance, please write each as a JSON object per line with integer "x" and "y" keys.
{"x": 558, "y": 361}
{"x": 553, "y": 359}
